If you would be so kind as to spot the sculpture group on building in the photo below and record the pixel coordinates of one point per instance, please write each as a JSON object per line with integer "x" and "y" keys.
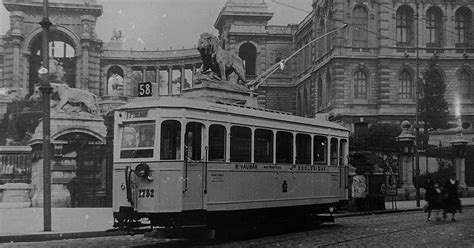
{"x": 220, "y": 62}
{"x": 70, "y": 100}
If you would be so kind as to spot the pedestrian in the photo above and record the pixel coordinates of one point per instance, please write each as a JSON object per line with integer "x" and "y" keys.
{"x": 72, "y": 186}
{"x": 431, "y": 196}
{"x": 452, "y": 204}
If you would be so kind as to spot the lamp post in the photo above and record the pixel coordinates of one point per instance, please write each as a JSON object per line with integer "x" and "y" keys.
{"x": 46, "y": 92}
{"x": 417, "y": 121}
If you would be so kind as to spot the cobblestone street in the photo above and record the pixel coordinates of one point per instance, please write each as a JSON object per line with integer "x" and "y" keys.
{"x": 405, "y": 229}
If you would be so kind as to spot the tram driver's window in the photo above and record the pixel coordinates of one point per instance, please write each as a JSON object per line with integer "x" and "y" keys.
{"x": 284, "y": 147}
{"x": 263, "y": 146}
{"x": 138, "y": 140}
{"x": 217, "y": 141}
{"x": 334, "y": 156}
{"x": 240, "y": 141}
{"x": 193, "y": 140}
{"x": 303, "y": 149}
{"x": 170, "y": 140}
{"x": 320, "y": 149}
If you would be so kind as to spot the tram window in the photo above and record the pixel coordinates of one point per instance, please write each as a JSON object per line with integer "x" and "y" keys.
{"x": 263, "y": 146}
{"x": 320, "y": 149}
{"x": 138, "y": 140}
{"x": 342, "y": 152}
{"x": 240, "y": 138}
{"x": 217, "y": 142}
{"x": 284, "y": 147}
{"x": 170, "y": 140}
{"x": 193, "y": 140}
{"x": 303, "y": 149}
{"x": 334, "y": 156}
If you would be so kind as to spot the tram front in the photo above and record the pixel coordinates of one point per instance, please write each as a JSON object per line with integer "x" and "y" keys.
{"x": 158, "y": 168}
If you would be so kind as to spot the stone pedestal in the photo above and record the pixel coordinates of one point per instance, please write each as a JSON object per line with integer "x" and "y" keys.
{"x": 459, "y": 146}
{"x": 221, "y": 91}
{"x": 15, "y": 195}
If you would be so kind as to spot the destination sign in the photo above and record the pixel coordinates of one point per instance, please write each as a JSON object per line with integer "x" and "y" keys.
{"x": 137, "y": 114}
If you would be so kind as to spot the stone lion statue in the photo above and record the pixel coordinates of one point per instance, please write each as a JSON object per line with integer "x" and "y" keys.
{"x": 71, "y": 96}
{"x": 220, "y": 61}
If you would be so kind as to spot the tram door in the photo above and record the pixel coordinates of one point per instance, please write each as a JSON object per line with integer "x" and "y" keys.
{"x": 195, "y": 166}
{"x": 344, "y": 170}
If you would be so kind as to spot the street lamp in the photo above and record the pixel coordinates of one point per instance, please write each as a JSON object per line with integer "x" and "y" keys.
{"x": 46, "y": 92}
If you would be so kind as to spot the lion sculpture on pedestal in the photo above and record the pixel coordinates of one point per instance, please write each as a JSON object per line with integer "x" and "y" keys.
{"x": 71, "y": 96}
{"x": 221, "y": 62}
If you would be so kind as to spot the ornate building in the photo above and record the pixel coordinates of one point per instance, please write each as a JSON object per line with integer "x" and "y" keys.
{"x": 363, "y": 74}
{"x": 367, "y": 73}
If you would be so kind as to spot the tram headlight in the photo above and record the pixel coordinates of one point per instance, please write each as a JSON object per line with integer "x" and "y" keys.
{"x": 142, "y": 170}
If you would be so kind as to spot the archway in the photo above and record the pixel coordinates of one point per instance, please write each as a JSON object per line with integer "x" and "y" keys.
{"x": 115, "y": 76}
{"x": 62, "y": 55}
{"x": 248, "y": 53}
{"x": 82, "y": 156}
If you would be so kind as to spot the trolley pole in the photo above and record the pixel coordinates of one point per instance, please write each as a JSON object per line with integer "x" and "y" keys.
{"x": 46, "y": 92}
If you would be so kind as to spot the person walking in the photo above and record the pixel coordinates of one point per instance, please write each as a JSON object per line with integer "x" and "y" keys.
{"x": 452, "y": 204}
{"x": 431, "y": 196}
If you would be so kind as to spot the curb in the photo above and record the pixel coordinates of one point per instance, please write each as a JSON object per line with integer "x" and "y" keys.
{"x": 38, "y": 237}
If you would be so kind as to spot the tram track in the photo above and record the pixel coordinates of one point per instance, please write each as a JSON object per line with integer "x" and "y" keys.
{"x": 343, "y": 232}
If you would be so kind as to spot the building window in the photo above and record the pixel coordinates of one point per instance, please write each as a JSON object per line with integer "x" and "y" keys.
{"x": 360, "y": 85}
{"x": 405, "y": 25}
{"x": 306, "y": 110}
{"x": 434, "y": 26}
{"x": 463, "y": 26}
{"x": 465, "y": 79}
{"x": 406, "y": 85}
{"x": 360, "y": 21}
{"x": 248, "y": 54}
{"x": 320, "y": 93}
{"x": 328, "y": 88}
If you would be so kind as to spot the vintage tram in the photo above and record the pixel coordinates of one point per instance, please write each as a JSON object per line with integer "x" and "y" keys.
{"x": 181, "y": 162}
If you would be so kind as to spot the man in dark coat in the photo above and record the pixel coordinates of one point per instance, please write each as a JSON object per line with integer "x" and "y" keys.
{"x": 451, "y": 197}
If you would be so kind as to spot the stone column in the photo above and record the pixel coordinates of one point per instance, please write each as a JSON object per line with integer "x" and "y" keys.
{"x": 407, "y": 139}
{"x": 192, "y": 77}
{"x": 170, "y": 80}
{"x": 182, "y": 78}
{"x": 84, "y": 81}
{"x": 459, "y": 149}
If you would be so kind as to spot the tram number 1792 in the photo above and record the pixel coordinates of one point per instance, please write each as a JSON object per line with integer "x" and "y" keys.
{"x": 146, "y": 193}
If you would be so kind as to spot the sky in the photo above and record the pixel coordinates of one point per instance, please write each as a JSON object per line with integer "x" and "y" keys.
{"x": 165, "y": 24}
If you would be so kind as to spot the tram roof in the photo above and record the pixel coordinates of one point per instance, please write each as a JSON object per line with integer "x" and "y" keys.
{"x": 179, "y": 103}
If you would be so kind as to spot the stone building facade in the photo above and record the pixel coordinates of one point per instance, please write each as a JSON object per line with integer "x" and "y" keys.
{"x": 367, "y": 72}
{"x": 363, "y": 74}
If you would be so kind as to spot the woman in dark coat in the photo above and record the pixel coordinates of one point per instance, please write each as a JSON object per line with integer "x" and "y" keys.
{"x": 451, "y": 197}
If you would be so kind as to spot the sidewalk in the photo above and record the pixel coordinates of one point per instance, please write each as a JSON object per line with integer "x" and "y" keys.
{"x": 26, "y": 224}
